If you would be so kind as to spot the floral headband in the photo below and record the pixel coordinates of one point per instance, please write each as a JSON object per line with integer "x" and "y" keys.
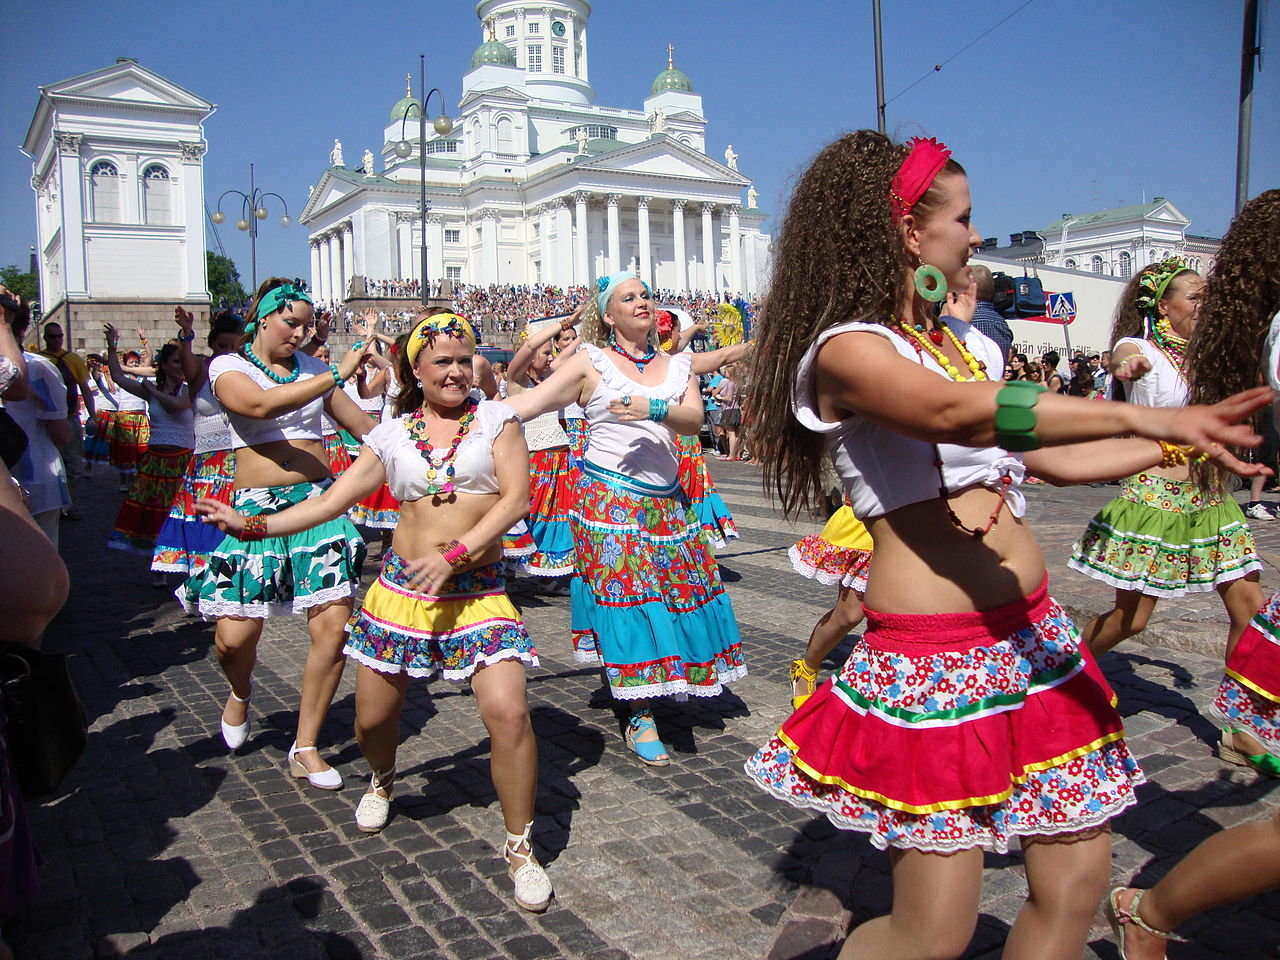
{"x": 277, "y": 298}
{"x": 1155, "y": 281}
{"x": 439, "y": 325}
{"x": 925, "y": 160}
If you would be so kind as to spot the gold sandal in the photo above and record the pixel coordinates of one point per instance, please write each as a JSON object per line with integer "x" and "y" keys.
{"x": 801, "y": 671}
{"x": 1122, "y": 916}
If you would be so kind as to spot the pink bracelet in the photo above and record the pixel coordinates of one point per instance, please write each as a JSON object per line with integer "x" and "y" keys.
{"x": 456, "y": 554}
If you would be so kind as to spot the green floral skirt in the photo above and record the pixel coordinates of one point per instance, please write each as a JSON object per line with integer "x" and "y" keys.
{"x": 1166, "y": 538}
{"x": 278, "y": 575}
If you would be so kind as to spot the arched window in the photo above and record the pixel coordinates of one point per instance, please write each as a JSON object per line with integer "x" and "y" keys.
{"x": 1126, "y": 264}
{"x": 1070, "y": 264}
{"x": 1096, "y": 264}
{"x": 104, "y": 189}
{"x": 157, "y": 199}
{"x": 505, "y": 130}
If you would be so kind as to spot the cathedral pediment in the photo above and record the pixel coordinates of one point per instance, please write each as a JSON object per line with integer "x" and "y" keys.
{"x": 663, "y": 156}
{"x": 496, "y": 93}
{"x": 127, "y": 83}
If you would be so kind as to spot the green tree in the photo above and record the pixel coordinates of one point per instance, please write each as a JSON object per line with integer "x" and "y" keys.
{"x": 21, "y": 282}
{"x": 224, "y": 280}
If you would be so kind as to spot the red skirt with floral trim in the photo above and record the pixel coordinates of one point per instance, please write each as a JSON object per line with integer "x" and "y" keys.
{"x": 958, "y": 730}
{"x": 551, "y": 497}
{"x": 130, "y": 435}
{"x": 840, "y": 554}
{"x": 336, "y": 451}
{"x": 1249, "y": 694}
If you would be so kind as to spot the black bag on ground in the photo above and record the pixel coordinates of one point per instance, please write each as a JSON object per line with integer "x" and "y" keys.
{"x": 46, "y": 728}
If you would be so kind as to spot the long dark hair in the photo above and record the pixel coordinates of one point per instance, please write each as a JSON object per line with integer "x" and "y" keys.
{"x": 224, "y": 321}
{"x": 164, "y": 353}
{"x": 839, "y": 257}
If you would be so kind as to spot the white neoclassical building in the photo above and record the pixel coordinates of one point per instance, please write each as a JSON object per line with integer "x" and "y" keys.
{"x": 536, "y": 183}
{"x": 118, "y": 173}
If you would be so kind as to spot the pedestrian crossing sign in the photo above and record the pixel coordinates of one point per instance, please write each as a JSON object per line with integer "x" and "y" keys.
{"x": 1062, "y": 306}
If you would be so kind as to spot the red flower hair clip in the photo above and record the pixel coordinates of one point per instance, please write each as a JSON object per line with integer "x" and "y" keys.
{"x": 925, "y": 160}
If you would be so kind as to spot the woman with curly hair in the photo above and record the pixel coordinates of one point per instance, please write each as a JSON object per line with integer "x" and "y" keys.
{"x": 1238, "y": 333}
{"x": 1164, "y": 536}
{"x": 646, "y": 600}
{"x": 969, "y": 713}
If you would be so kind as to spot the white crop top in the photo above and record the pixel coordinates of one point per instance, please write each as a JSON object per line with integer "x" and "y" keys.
{"x": 300, "y": 424}
{"x": 573, "y": 411}
{"x": 640, "y": 449}
{"x": 544, "y": 432}
{"x": 126, "y": 402}
{"x": 473, "y": 463}
{"x": 882, "y": 469}
{"x": 171, "y": 429}
{"x": 1161, "y": 386}
{"x": 370, "y": 405}
{"x": 213, "y": 431}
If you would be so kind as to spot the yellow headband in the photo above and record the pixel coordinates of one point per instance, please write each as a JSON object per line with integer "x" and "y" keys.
{"x": 439, "y": 325}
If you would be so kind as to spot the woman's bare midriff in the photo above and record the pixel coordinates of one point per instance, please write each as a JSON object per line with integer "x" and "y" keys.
{"x": 924, "y": 564}
{"x": 281, "y": 462}
{"x": 428, "y": 524}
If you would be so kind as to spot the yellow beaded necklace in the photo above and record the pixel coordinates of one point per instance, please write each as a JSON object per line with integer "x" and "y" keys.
{"x": 977, "y": 369}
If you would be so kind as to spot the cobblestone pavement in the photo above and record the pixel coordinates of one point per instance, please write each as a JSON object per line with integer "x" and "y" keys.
{"x": 164, "y": 846}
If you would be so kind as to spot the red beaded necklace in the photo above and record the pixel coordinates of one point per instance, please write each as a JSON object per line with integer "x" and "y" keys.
{"x": 439, "y": 472}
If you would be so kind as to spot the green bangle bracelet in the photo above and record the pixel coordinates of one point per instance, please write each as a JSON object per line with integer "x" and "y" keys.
{"x": 1015, "y": 420}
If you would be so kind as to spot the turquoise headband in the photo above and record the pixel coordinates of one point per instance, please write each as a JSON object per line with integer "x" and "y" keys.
{"x": 606, "y": 285}
{"x": 277, "y": 298}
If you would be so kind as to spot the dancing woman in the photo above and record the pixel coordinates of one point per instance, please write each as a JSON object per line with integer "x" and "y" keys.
{"x": 968, "y": 714}
{"x": 458, "y": 466}
{"x": 183, "y": 543}
{"x": 572, "y": 418}
{"x": 130, "y": 429}
{"x": 161, "y": 467}
{"x": 646, "y": 601}
{"x": 274, "y": 397}
{"x": 97, "y": 434}
{"x": 1164, "y": 535}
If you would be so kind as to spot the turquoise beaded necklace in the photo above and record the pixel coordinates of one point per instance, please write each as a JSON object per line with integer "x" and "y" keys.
{"x": 290, "y": 378}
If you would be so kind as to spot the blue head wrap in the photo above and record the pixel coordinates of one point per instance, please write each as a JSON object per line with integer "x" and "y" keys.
{"x": 606, "y": 285}
{"x": 277, "y": 298}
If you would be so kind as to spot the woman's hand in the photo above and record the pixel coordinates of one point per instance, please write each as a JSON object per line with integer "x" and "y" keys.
{"x": 961, "y": 304}
{"x": 320, "y": 328}
{"x": 1212, "y": 429}
{"x": 1132, "y": 367}
{"x": 185, "y": 320}
{"x": 429, "y": 574}
{"x": 367, "y": 325}
{"x": 354, "y": 357}
{"x": 634, "y": 408}
{"x": 221, "y": 516}
{"x": 112, "y": 335}
{"x": 571, "y": 321}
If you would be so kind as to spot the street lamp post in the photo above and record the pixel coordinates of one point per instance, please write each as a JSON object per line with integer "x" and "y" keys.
{"x": 404, "y": 149}
{"x": 252, "y": 209}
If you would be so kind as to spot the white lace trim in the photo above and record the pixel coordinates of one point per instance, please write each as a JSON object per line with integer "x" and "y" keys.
{"x": 857, "y": 581}
{"x": 507, "y": 653}
{"x": 212, "y": 609}
{"x": 679, "y": 687}
{"x": 543, "y": 571}
{"x": 1154, "y": 590}
{"x": 671, "y": 388}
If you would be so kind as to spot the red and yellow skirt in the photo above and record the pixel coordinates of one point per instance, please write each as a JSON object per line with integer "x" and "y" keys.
{"x": 97, "y": 439}
{"x": 128, "y": 440}
{"x": 695, "y": 480}
{"x": 1248, "y": 697}
{"x": 184, "y": 541}
{"x": 551, "y": 482}
{"x": 958, "y": 730}
{"x": 146, "y": 505}
{"x": 840, "y": 554}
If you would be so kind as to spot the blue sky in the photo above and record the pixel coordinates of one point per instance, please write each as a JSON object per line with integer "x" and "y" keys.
{"x": 1065, "y": 108}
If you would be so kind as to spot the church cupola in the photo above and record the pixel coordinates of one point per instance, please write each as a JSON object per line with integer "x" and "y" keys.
{"x": 546, "y": 41}
{"x": 671, "y": 78}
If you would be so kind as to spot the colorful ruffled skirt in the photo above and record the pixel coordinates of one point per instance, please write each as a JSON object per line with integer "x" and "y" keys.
{"x": 646, "y": 601}
{"x": 518, "y": 545}
{"x": 1166, "y": 538}
{"x": 1249, "y": 695}
{"x": 579, "y": 433}
{"x": 840, "y": 554}
{"x": 551, "y": 492}
{"x": 336, "y": 452}
{"x": 950, "y": 731}
{"x": 695, "y": 480}
{"x": 97, "y": 438}
{"x": 278, "y": 575}
{"x": 146, "y": 504}
{"x": 470, "y": 624}
{"x": 130, "y": 434}
{"x": 185, "y": 541}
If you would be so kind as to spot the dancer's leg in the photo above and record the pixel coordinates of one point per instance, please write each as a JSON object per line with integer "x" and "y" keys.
{"x": 1129, "y": 616}
{"x": 320, "y": 676}
{"x": 513, "y": 751}
{"x": 379, "y": 700}
{"x": 935, "y": 909}
{"x": 1066, "y": 878}
{"x": 236, "y": 640}
{"x": 828, "y": 632}
{"x": 1242, "y": 598}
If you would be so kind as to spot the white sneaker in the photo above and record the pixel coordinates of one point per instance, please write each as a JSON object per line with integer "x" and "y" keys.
{"x": 374, "y": 809}
{"x": 1258, "y": 511}
{"x": 533, "y": 886}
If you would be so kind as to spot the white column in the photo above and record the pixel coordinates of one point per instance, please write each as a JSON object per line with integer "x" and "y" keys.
{"x": 735, "y": 250}
{"x": 708, "y": 250}
{"x": 582, "y": 66}
{"x": 348, "y": 255}
{"x": 335, "y": 266}
{"x": 564, "y": 242}
{"x": 130, "y": 191}
{"x": 489, "y": 245}
{"x": 752, "y": 280}
{"x": 404, "y": 246}
{"x": 315, "y": 270}
{"x": 544, "y": 238}
{"x": 642, "y": 222}
{"x": 435, "y": 248}
{"x": 682, "y": 259}
{"x": 322, "y": 282}
{"x": 72, "y": 194}
{"x": 192, "y": 199}
{"x": 615, "y": 245}
{"x": 581, "y": 268}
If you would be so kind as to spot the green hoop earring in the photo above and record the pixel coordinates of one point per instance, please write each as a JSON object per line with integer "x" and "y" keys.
{"x": 931, "y": 283}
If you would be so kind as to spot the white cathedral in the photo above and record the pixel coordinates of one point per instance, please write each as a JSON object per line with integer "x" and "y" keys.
{"x": 535, "y": 183}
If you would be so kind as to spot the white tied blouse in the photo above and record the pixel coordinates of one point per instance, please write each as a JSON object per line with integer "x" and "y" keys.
{"x": 882, "y": 469}
{"x": 171, "y": 429}
{"x": 406, "y": 468}
{"x": 300, "y": 424}
{"x": 640, "y": 449}
{"x": 1161, "y": 386}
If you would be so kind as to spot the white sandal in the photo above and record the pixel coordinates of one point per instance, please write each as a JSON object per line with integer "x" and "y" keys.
{"x": 234, "y": 737}
{"x": 533, "y": 886}
{"x": 374, "y": 809}
{"x": 1120, "y": 917}
{"x": 329, "y": 779}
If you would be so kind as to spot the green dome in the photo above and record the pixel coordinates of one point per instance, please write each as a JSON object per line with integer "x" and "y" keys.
{"x": 671, "y": 79}
{"x": 495, "y": 53}
{"x": 406, "y": 103}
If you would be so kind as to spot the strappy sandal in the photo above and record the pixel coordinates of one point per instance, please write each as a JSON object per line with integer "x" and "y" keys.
{"x": 803, "y": 673}
{"x": 533, "y": 886}
{"x": 374, "y": 809}
{"x": 1264, "y": 763}
{"x": 1120, "y": 917}
{"x": 652, "y": 753}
